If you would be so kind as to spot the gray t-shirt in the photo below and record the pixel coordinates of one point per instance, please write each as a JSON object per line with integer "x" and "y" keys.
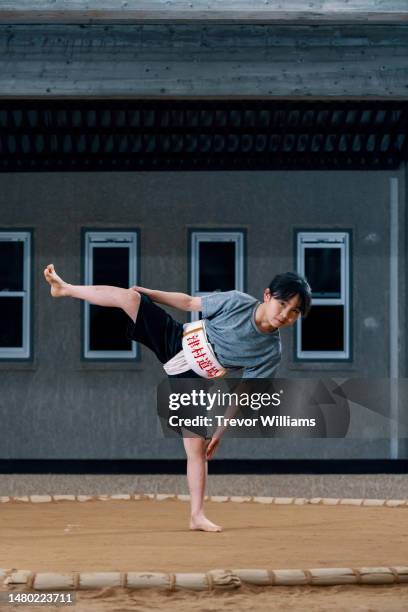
{"x": 238, "y": 343}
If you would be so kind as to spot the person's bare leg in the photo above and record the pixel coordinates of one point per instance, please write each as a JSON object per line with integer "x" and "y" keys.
{"x": 129, "y": 301}
{"x": 100, "y": 295}
{"x": 197, "y": 478}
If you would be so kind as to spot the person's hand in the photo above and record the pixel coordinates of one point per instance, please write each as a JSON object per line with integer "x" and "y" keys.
{"x": 138, "y": 289}
{"x": 212, "y": 447}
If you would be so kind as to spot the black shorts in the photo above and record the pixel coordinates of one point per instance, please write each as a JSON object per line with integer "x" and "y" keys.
{"x": 157, "y": 330}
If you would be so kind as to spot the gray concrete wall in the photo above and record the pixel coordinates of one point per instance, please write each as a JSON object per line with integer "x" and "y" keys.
{"x": 232, "y": 61}
{"x": 58, "y": 406}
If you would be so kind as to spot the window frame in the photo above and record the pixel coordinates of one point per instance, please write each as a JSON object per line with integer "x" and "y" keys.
{"x": 23, "y": 353}
{"x": 340, "y": 239}
{"x": 196, "y": 235}
{"x": 89, "y": 234}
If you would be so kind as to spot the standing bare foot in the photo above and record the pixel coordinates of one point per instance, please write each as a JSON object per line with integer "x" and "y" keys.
{"x": 59, "y": 288}
{"x": 201, "y": 523}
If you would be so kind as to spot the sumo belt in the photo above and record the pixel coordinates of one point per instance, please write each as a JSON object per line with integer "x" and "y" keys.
{"x": 197, "y": 354}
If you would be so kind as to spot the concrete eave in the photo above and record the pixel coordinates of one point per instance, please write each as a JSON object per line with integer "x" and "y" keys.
{"x": 204, "y": 11}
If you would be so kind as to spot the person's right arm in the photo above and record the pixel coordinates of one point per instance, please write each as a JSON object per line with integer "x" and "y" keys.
{"x": 182, "y": 301}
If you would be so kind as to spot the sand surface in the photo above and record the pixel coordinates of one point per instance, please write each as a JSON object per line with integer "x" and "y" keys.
{"x": 150, "y": 535}
{"x": 247, "y": 599}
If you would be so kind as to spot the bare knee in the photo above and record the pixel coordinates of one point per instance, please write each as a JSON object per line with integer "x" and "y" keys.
{"x": 131, "y": 303}
{"x": 194, "y": 447}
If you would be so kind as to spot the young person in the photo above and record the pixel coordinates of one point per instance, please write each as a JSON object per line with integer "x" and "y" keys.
{"x": 236, "y": 331}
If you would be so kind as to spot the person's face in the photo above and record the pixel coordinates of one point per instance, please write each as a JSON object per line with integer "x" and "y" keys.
{"x": 281, "y": 313}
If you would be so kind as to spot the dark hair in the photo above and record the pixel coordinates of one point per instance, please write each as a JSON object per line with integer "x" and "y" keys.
{"x": 287, "y": 285}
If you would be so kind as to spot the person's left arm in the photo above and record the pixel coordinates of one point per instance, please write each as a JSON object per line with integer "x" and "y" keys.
{"x": 230, "y": 412}
{"x": 182, "y": 301}
{"x": 263, "y": 370}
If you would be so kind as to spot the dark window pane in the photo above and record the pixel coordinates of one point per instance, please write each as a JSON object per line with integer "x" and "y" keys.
{"x": 322, "y": 270}
{"x": 322, "y": 330}
{"x": 108, "y": 329}
{"x": 11, "y": 266}
{"x": 111, "y": 266}
{"x": 11, "y": 322}
{"x": 217, "y": 266}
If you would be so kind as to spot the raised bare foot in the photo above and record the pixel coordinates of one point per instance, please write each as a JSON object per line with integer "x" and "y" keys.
{"x": 59, "y": 288}
{"x": 201, "y": 523}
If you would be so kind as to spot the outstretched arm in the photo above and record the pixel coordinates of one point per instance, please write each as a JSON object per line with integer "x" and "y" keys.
{"x": 182, "y": 301}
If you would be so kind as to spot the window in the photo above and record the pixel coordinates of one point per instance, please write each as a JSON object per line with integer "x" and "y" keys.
{"x": 217, "y": 262}
{"x": 15, "y": 295}
{"x": 110, "y": 259}
{"x": 324, "y": 259}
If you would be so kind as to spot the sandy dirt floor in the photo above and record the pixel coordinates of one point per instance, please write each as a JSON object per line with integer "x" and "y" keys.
{"x": 150, "y": 535}
{"x": 392, "y": 598}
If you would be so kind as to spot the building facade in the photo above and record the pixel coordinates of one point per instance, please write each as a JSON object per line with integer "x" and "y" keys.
{"x": 197, "y": 151}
